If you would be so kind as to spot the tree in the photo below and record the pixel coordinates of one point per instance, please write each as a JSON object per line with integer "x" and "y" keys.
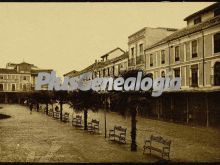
{"x": 128, "y": 103}
{"x": 82, "y": 101}
{"x": 62, "y": 97}
{"x": 40, "y": 97}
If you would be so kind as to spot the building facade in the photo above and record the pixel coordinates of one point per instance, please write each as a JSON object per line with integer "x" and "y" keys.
{"x": 19, "y": 77}
{"x": 142, "y": 39}
{"x": 192, "y": 53}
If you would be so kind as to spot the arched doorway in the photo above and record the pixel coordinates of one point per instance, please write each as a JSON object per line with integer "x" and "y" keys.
{"x": 217, "y": 74}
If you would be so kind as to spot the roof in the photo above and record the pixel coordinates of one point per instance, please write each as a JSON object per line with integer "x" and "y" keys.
{"x": 25, "y": 63}
{"x": 73, "y": 71}
{"x": 165, "y": 28}
{"x": 213, "y": 6}
{"x": 116, "y": 59}
{"x": 112, "y": 51}
{"x": 36, "y": 71}
{"x": 8, "y": 71}
{"x": 188, "y": 30}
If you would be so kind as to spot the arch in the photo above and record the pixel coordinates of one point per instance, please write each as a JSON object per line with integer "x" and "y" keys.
{"x": 217, "y": 74}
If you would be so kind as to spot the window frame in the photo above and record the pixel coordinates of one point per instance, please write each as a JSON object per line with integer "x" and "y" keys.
{"x": 194, "y": 55}
{"x": 162, "y": 55}
{"x": 216, "y": 12}
{"x": 151, "y": 62}
{"x": 175, "y": 57}
{"x": 197, "y": 20}
{"x": 218, "y": 33}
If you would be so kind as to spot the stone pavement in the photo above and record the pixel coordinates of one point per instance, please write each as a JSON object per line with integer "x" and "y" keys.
{"x": 36, "y": 137}
{"x": 189, "y": 144}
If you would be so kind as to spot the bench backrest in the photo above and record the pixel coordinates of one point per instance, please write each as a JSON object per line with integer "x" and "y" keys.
{"x": 95, "y": 121}
{"x": 120, "y": 128}
{"x": 78, "y": 117}
{"x": 161, "y": 140}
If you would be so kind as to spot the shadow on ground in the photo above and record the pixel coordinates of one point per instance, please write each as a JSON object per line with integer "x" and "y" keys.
{"x": 2, "y": 116}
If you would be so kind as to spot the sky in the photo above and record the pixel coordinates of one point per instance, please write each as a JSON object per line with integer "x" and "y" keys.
{"x": 71, "y": 36}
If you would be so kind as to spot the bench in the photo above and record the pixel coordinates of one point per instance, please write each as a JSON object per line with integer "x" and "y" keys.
{"x": 93, "y": 126}
{"x": 56, "y": 114}
{"x": 50, "y": 112}
{"x": 159, "y": 144}
{"x": 118, "y": 134}
{"x": 65, "y": 117}
{"x": 77, "y": 121}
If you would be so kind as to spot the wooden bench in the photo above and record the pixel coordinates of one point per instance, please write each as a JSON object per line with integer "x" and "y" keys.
{"x": 93, "y": 126}
{"x": 159, "y": 144}
{"x": 77, "y": 121}
{"x": 118, "y": 134}
{"x": 50, "y": 112}
{"x": 65, "y": 117}
{"x": 56, "y": 114}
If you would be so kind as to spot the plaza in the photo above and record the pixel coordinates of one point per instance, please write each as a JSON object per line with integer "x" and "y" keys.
{"x": 37, "y": 137}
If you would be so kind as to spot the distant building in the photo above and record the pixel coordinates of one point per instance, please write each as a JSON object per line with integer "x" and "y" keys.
{"x": 112, "y": 64}
{"x": 192, "y": 53}
{"x": 19, "y": 77}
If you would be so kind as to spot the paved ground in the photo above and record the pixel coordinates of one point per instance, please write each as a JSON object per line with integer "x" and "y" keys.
{"x": 36, "y": 137}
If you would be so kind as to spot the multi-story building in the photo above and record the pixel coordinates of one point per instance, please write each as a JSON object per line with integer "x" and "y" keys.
{"x": 19, "y": 77}
{"x": 192, "y": 53}
{"x": 114, "y": 65}
{"x": 111, "y": 64}
{"x": 142, "y": 39}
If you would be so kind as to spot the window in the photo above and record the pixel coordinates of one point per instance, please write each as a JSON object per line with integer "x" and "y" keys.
{"x": 1, "y": 77}
{"x": 217, "y": 74}
{"x": 194, "y": 75}
{"x": 177, "y": 53}
{"x": 141, "y": 48}
{"x": 162, "y": 56}
{"x": 194, "y": 48}
{"x": 217, "y": 43}
{"x": 132, "y": 52}
{"x": 13, "y": 87}
{"x": 216, "y": 12}
{"x": 163, "y": 74}
{"x": 151, "y": 59}
{"x": 103, "y": 73}
{"x": 1, "y": 87}
{"x": 24, "y": 88}
{"x": 177, "y": 72}
{"x": 197, "y": 20}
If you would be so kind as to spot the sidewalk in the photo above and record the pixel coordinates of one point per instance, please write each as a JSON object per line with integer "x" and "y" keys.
{"x": 38, "y": 138}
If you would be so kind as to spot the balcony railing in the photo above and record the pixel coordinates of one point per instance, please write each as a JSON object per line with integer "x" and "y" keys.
{"x": 131, "y": 62}
{"x": 140, "y": 60}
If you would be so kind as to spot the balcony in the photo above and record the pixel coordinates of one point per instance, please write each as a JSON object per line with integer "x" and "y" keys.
{"x": 131, "y": 62}
{"x": 140, "y": 60}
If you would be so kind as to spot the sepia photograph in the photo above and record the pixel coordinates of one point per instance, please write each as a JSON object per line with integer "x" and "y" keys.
{"x": 107, "y": 82}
